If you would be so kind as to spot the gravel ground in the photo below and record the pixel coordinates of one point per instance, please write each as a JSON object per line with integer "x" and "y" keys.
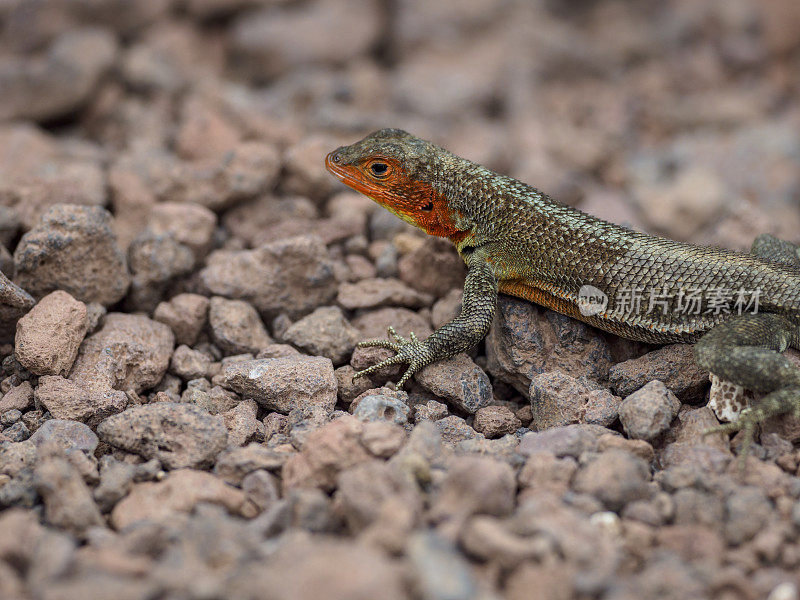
{"x": 182, "y": 286}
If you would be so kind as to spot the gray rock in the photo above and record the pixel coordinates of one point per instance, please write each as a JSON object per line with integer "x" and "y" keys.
{"x": 155, "y": 260}
{"x": 18, "y": 432}
{"x": 648, "y": 412}
{"x": 380, "y": 407}
{"x": 459, "y": 381}
{"x": 10, "y": 417}
{"x": 14, "y": 302}
{"x": 325, "y": 332}
{"x": 570, "y": 440}
{"x": 66, "y": 434}
{"x": 178, "y": 435}
{"x": 438, "y": 569}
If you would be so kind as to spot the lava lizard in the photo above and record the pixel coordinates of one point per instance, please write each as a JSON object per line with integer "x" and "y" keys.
{"x": 516, "y": 240}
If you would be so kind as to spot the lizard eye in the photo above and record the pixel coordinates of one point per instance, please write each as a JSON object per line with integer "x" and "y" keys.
{"x": 379, "y": 169}
{"x": 428, "y": 207}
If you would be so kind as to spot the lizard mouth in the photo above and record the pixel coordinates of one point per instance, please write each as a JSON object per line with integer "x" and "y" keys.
{"x": 346, "y": 176}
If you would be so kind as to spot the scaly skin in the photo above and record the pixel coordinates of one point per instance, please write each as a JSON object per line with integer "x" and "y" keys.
{"x": 516, "y": 240}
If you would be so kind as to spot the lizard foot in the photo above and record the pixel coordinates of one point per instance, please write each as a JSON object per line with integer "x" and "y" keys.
{"x": 786, "y": 400}
{"x": 411, "y": 351}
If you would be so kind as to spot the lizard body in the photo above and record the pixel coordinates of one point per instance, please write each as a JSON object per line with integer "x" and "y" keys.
{"x": 516, "y": 240}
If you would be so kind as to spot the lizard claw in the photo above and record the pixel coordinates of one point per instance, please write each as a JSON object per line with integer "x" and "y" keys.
{"x": 410, "y": 351}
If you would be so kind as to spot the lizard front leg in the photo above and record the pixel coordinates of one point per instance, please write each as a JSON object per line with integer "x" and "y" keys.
{"x": 458, "y": 335}
{"x": 746, "y": 351}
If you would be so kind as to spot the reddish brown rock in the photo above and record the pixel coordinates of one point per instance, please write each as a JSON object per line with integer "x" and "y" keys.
{"x": 325, "y": 332}
{"x": 459, "y": 381}
{"x": 570, "y": 440}
{"x": 383, "y": 439}
{"x": 559, "y": 399}
{"x": 234, "y": 464}
{"x": 204, "y": 131}
{"x": 73, "y": 248}
{"x": 190, "y": 224}
{"x": 35, "y": 88}
{"x": 319, "y": 567}
{"x": 544, "y": 470}
{"x": 189, "y": 364}
{"x": 349, "y": 388}
{"x": 495, "y": 421}
{"x": 446, "y": 308}
{"x": 526, "y": 340}
{"x": 285, "y": 383}
{"x": 265, "y": 45}
{"x": 326, "y": 452}
{"x": 249, "y": 221}
{"x": 14, "y": 302}
{"x": 67, "y": 499}
{"x": 179, "y": 435}
{"x": 374, "y": 293}
{"x": 475, "y": 485}
{"x": 186, "y": 316}
{"x": 48, "y": 337}
{"x": 615, "y": 478}
{"x": 648, "y": 412}
{"x": 373, "y": 324}
{"x": 130, "y": 352}
{"x": 293, "y": 275}
{"x": 673, "y": 365}
{"x": 156, "y": 260}
{"x": 244, "y": 173}
{"x": 66, "y": 399}
{"x": 454, "y": 429}
{"x": 434, "y": 268}
{"x": 242, "y": 423}
{"x": 19, "y": 397}
{"x": 367, "y": 490}
{"x": 177, "y": 494}
{"x": 236, "y": 327}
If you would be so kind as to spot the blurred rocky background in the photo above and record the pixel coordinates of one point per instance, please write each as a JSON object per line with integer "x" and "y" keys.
{"x": 182, "y": 286}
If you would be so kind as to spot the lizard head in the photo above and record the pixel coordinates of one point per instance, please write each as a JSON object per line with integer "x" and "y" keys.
{"x": 396, "y": 170}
